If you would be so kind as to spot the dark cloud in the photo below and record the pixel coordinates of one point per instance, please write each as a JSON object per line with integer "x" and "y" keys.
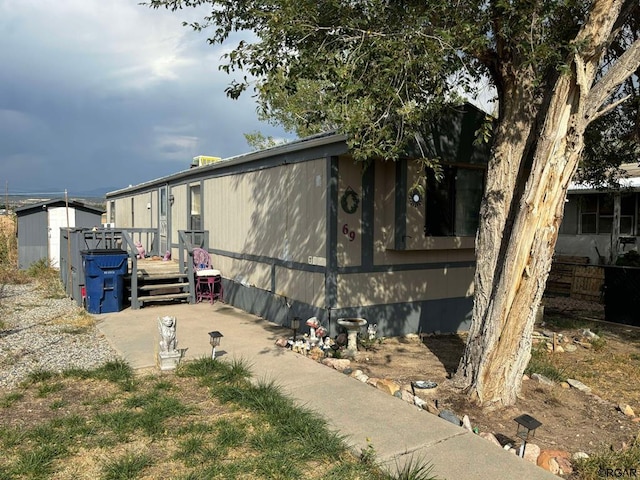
{"x": 92, "y": 103}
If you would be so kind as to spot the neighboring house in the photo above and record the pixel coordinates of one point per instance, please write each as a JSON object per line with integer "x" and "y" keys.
{"x": 39, "y": 227}
{"x": 601, "y": 224}
{"x": 302, "y": 230}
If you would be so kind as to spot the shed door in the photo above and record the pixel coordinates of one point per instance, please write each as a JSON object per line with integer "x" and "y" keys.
{"x": 58, "y": 220}
{"x": 162, "y": 220}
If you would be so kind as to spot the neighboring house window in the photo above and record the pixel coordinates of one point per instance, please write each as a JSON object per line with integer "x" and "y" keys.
{"x": 627, "y": 213}
{"x": 195, "y": 216}
{"x": 595, "y": 214}
{"x": 112, "y": 212}
{"x": 453, "y": 203}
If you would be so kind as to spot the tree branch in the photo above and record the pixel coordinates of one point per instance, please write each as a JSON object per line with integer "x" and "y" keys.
{"x": 626, "y": 65}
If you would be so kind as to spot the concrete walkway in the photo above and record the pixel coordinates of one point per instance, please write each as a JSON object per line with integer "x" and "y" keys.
{"x": 397, "y": 430}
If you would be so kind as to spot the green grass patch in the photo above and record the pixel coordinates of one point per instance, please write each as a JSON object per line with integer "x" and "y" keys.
{"x": 47, "y": 389}
{"x": 542, "y": 364}
{"x": 619, "y": 464}
{"x": 127, "y": 467}
{"x": 10, "y": 399}
{"x": 243, "y": 430}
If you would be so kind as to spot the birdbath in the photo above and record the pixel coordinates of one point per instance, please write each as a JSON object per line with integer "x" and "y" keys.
{"x": 352, "y": 325}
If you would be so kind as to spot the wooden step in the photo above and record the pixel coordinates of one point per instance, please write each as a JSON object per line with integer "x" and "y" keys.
{"x": 158, "y": 276}
{"x": 158, "y": 286}
{"x": 158, "y": 298}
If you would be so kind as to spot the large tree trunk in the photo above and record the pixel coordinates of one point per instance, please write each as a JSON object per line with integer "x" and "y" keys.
{"x": 519, "y": 222}
{"x": 526, "y": 186}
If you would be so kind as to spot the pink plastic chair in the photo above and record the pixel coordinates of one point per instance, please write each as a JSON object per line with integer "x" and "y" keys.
{"x": 208, "y": 280}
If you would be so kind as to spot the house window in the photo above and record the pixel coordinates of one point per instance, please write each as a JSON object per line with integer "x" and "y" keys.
{"x": 112, "y": 212}
{"x": 596, "y": 214}
{"x": 195, "y": 217}
{"x": 163, "y": 201}
{"x": 453, "y": 203}
{"x": 627, "y": 213}
{"x": 569, "y": 224}
{"x": 589, "y": 214}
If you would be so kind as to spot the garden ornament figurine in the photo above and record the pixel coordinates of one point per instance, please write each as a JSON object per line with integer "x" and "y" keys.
{"x": 167, "y": 329}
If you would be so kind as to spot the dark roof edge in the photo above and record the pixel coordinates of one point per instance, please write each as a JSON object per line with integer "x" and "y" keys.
{"x": 59, "y": 201}
{"x": 319, "y": 140}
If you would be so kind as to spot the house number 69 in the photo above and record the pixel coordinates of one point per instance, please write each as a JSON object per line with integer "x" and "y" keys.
{"x": 349, "y": 233}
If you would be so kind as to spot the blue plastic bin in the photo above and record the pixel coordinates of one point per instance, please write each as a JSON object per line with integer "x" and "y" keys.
{"x": 104, "y": 272}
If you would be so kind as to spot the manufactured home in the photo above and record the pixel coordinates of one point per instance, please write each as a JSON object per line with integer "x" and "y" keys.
{"x": 302, "y": 230}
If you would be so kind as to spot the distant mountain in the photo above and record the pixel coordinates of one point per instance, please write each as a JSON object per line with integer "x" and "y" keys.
{"x": 93, "y": 193}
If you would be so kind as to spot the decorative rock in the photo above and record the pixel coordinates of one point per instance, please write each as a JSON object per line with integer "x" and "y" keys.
{"x": 282, "y": 342}
{"x": 549, "y": 460}
{"x": 542, "y": 379}
{"x": 337, "y": 363}
{"x": 449, "y": 416}
{"x": 347, "y": 371}
{"x": 627, "y": 410}
{"x": 373, "y": 381}
{"x": 525, "y": 377}
{"x": 406, "y": 396}
{"x": 356, "y": 373}
{"x": 362, "y": 377}
{"x": 531, "y": 453}
{"x": 589, "y": 334}
{"x": 580, "y": 456}
{"x": 490, "y": 437}
{"x": 565, "y": 465}
{"x": 578, "y": 385}
{"x": 432, "y": 409}
{"x": 559, "y": 349}
{"x": 387, "y": 385}
{"x": 466, "y": 423}
{"x": 417, "y": 401}
{"x": 570, "y": 348}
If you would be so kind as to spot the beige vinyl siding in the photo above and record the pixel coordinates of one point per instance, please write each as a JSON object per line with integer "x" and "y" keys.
{"x": 246, "y": 272}
{"x": 278, "y": 212}
{"x": 305, "y": 287}
{"x": 406, "y": 286}
{"x": 123, "y": 212}
{"x": 154, "y": 209}
{"x": 275, "y": 213}
{"x": 178, "y": 210}
{"x": 142, "y": 214}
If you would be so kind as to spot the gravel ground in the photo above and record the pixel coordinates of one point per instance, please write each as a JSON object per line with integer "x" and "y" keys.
{"x": 36, "y": 337}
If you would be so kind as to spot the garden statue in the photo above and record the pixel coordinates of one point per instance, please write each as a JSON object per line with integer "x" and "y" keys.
{"x": 167, "y": 329}
{"x": 372, "y": 331}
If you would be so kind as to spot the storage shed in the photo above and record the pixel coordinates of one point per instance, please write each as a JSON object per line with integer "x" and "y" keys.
{"x": 39, "y": 227}
{"x": 302, "y": 230}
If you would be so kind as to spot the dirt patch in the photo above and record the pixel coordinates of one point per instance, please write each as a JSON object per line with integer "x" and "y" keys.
{"x": 571, "y": 419}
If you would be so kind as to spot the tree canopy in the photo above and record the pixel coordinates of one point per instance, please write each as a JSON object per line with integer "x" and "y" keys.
{"x": 379, "y": 70}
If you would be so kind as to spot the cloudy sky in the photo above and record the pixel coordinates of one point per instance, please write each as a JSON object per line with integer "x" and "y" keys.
{"x": 98, "y": 94}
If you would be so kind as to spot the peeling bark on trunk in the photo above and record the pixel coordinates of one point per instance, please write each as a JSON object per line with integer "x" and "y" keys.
{"x": 514, "y": 250}
{"x": 522, "y": 208}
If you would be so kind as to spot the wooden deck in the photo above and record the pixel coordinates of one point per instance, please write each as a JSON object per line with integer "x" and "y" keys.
{"x": 148, "y": 267}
